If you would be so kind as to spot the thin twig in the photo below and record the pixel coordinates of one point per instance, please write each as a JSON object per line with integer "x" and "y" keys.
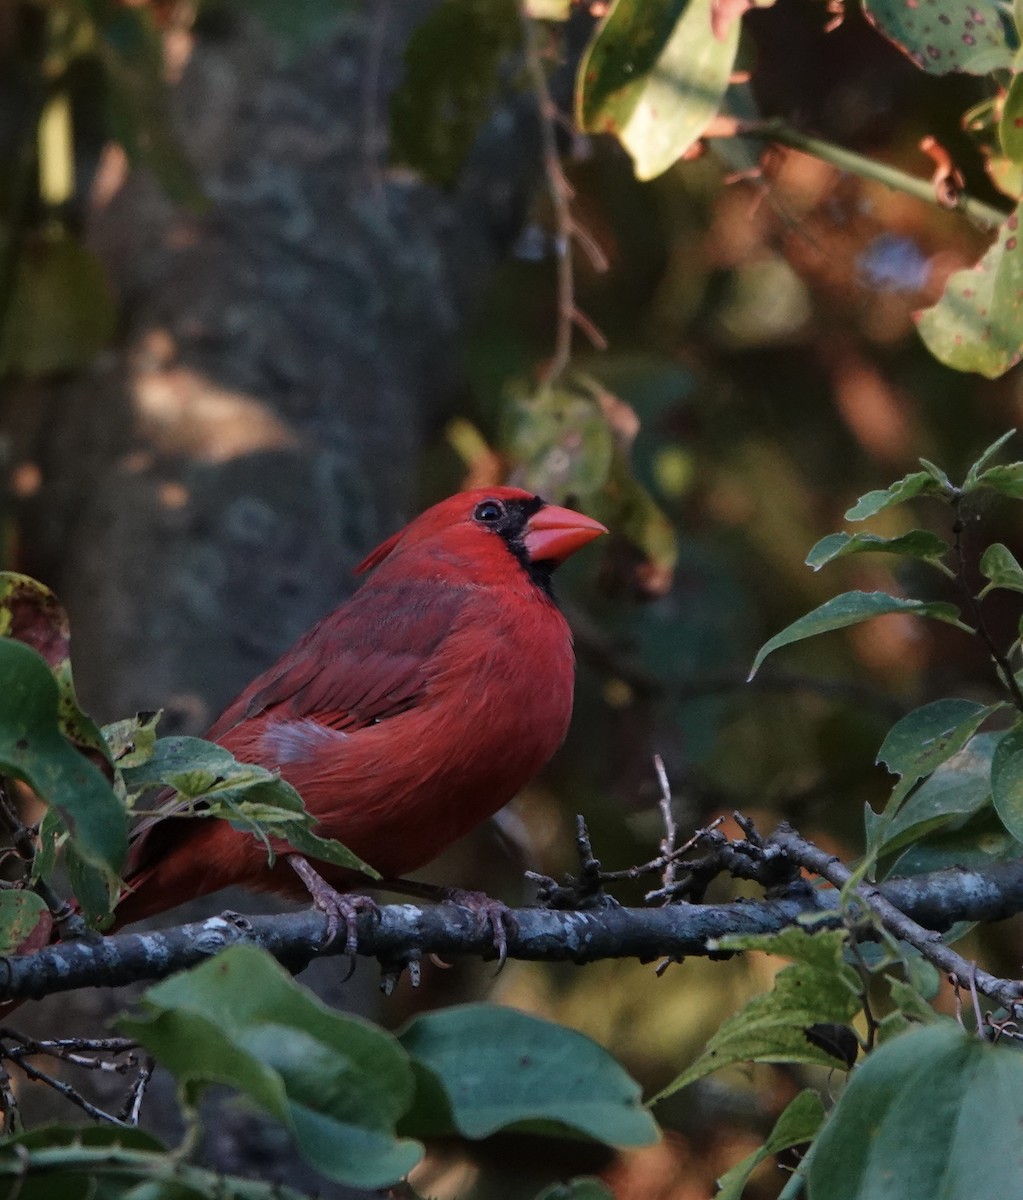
{"x": 132, "y": 1107}
{"x": 20, "y": 1058}
{"x": 668, "y": 817}
{"x": 1006, "y": 992}
{"x": 985, "y": 215}
{"x": 560, "y": 193}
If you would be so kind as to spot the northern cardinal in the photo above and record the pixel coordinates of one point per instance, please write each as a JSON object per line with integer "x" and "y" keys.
{"x": 405, "y": 718}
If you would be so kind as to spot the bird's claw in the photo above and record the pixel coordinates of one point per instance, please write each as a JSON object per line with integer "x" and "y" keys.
{"x": 488, "y": 912}
{"x": 336, "y": 906}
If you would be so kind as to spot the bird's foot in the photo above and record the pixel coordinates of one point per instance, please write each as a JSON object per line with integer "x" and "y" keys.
{"x": 337, "y": 906}
{"x": 488, "y": 912}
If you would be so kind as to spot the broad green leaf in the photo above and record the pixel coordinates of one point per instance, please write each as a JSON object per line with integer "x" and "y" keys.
{"x": 108, "y": 1162}
{"x": 852, "y": 608}
{"x": 1006, "y": 479}
{"x": 33, "y": 748}
{"x": 936, "y": 1112}
{"x": 918, "y": 543}
{"x": 31, "y": 613}
{"x": 210, "y": 782}
{"x": 916, "y": 484}
{"x": 580, "y": 1188}
{"x": 482, "y": 1067}
{"x": 1007, "y": 781}
{"x": 999, "y": 565}
{"x": 976, "y": 37}
{"x": 61, "y": 310}
{"x": 958, "y": 788}
{"x": 772, "y": 1027}
{"x": 336, "y": 1082}
{"x": 974, "y": 472}
{"x": 453, "y": 66}
{"x": 655, "y": 75}
{"x": 798, "y": 1123}
{"x": 976, "y": 324}
{"x": 25, "y": 922}
{"x": 976, "y": 842}
{"x": 922, "y": 740}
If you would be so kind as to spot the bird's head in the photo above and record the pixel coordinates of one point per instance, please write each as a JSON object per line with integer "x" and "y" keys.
{"x": 480, "y": 525}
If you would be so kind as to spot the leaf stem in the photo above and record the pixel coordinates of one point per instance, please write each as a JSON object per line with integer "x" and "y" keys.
{"x": 985, "y": 215}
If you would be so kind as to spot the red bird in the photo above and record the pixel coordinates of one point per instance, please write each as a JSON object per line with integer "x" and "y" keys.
{"x": 405, "y": 718}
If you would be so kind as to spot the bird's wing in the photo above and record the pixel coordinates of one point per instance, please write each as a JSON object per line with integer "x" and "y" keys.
{"x": 369, "y": 660}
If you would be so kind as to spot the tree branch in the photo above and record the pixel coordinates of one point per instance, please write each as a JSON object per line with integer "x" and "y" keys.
{"x": 403, "y": 933}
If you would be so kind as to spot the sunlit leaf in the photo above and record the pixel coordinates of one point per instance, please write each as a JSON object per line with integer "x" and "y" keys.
{"x": 918, "y": 543}
{"x": 882, "y": 1140}
{"x": 976, "y": 324}
{"x": 337, "y": 1083}
{"x": 482, "y": 1067}
{"x": 852, "y": 608}
{"x": 655, "y": 75}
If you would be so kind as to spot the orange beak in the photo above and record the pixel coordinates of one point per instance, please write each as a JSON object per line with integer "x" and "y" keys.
{"x": 553, "y": 533}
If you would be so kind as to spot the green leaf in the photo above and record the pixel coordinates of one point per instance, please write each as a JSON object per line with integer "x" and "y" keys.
{"x": 922, "y": 740}
{"x": 851, "y": 608}
{"x": 1010, "y": 126}
{"x": 213, "y": 783}
{"x": 337, "y": 1083}
{"x": 32, "y": 748}
{"x": 918, "y": 543}
{"x": 978, "y": 841}
{"x": 974, "y": 472}
{"x": 481, "y": 1068}
{"x": 936, "y": 1112}
{"x": 453, "y": 66}
{"x": 975, "y": 326}
{"x": 583, "y": 1187}
{"x": 916, "y": 484}
{"x": 105, "y": 1161}
{"x": 131, "y": 742}
{"x": 998, "y": 564}
{"x": 654, "y": 75}
{"x": 819, "y": 987}
{"x": 1006, "y": 479}
{"x": 957, "y": 789}
{"x": 1007, "y": 781}
{"x": 25, "y": 922}
{"x": 61, "y": 311}
{"x": 31, "y": 613}
{"x": 949, "y": 35}
{"x": 798, "y": 1123}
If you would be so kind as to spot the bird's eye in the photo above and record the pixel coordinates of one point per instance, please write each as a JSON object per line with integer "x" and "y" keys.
{"x": 488, "y": 511}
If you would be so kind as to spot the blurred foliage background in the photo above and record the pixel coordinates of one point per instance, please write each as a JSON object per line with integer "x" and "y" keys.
{"x": 274, "y": 276}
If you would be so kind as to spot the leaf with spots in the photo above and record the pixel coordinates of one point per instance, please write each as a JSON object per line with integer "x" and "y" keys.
{"x": 977, "y": 325}
{"x": 943, "y": 36}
